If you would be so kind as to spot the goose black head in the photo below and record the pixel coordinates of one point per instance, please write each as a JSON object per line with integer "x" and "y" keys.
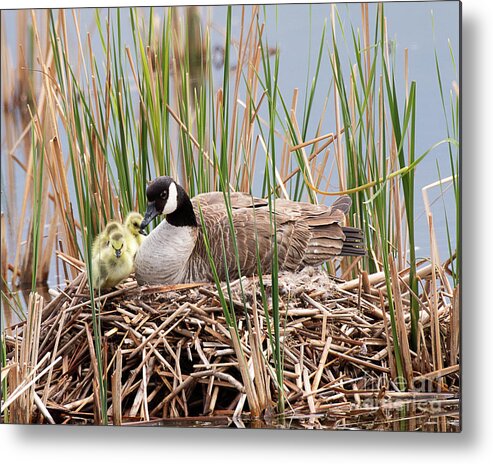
{"x": 165, "y": 196}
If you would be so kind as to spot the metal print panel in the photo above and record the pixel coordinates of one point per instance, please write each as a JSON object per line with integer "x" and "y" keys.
{"x": 232, "y": 216}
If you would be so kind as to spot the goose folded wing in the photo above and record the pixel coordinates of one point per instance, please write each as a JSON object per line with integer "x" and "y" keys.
{"x": 237, "y": 200}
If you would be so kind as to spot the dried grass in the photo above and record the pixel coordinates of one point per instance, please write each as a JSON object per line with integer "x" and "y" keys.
{"x": 169, "y": 355}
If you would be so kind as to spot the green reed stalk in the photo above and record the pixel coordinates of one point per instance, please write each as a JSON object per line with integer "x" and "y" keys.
{"x": 223, "y": 160}
{"x": 452, "y": 122}
{"x": 5, "y": 385}
{"x": 407, "y": 179}
{"x": 37, "y": 226}
{"x": 271, "y": 88}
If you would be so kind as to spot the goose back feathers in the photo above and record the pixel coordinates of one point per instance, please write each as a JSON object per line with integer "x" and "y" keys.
{"x": 175, "y": 252}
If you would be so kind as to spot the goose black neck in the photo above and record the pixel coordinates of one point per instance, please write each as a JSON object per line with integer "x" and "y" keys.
{"x": 184, "y": 215}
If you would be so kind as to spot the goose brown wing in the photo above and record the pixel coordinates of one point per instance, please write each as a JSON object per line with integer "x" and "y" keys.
{"x": 326, "y": 236}
{"x": 237, "y": 199}
{"x": 306, "y": 234}
{"x": 254, "y": 240}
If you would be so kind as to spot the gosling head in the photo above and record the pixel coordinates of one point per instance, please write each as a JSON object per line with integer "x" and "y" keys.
{"x": 112, "y": 227}
{"x": 118, "y": 244}
{"x": 133, "y": 222}
{"x": 165, "y": 196}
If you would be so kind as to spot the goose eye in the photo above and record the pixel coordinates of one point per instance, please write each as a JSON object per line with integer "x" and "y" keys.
{"x": 164, "y": 195}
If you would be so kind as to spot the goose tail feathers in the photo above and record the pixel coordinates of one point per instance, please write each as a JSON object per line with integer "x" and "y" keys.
{"x": 354, "y": 243}
{"x": 342, "y": 204}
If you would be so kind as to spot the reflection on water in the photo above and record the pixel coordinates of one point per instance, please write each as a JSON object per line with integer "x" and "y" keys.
{"x": 424, "y": 416}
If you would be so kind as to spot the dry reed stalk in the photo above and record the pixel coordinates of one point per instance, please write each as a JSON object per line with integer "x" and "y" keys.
{"x": 400, "y": 322}
{"x": 315, "y": 153}
{"x": 6, "y": 310}
{"x": 42, "y": 408}
{"x": 454, "y": 328}
{"x": 436, "y": 337}
{"x": 439, "y": 373}
{"x": 22, "y": 217}
{"x": 23, "y": 390}
{"x": 28, "y": 358}
{"x": 10, "y": 133}
{"x": 55, "y": 351}
{"x": 247, "y": 380}
{"x": 59, "y": 182}
{"x": 378, "y": 278}
{"x": 256, "y": 342}
{"x": 96, "y": 388}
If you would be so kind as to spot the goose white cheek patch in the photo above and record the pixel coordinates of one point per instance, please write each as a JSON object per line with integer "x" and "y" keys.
{"x": 172, "y": 202}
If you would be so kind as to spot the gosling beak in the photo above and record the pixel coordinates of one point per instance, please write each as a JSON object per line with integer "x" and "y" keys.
{"x": 118, "y": 253}
{"x": 151, "y": 213}
{"x": 142, "y": 232}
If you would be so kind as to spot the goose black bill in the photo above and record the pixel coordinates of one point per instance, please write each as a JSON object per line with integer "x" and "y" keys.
{"x": 150, "y": 214}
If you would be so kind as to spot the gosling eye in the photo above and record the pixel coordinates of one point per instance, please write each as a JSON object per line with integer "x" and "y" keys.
{"x": 108, "y": 243}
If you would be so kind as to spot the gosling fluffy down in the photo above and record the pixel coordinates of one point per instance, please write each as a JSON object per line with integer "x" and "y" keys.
{"x": 134, "y": 234}
{"x": 103, "y": 239}
{"x": 113, "y": 263}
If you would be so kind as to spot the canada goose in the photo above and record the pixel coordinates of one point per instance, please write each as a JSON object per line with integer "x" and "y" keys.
{"x": 113, "y": 263}
{"x": 174, "y": 252}
{"x": 135, "y": 235}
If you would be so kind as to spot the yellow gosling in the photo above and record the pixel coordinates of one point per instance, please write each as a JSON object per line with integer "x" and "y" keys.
{"x": 113, "y": 264}
{"x": 135, "y": 235}
{"x": 103, "y": 239}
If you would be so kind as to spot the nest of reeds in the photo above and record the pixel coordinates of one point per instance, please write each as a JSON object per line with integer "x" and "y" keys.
{"x": 167, "y": 354}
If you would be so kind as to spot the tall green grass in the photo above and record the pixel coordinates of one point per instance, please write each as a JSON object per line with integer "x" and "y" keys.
{"x": 451, "y": 114}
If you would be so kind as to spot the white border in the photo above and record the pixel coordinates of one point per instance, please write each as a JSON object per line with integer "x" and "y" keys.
{"x": 91, "y": 444}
